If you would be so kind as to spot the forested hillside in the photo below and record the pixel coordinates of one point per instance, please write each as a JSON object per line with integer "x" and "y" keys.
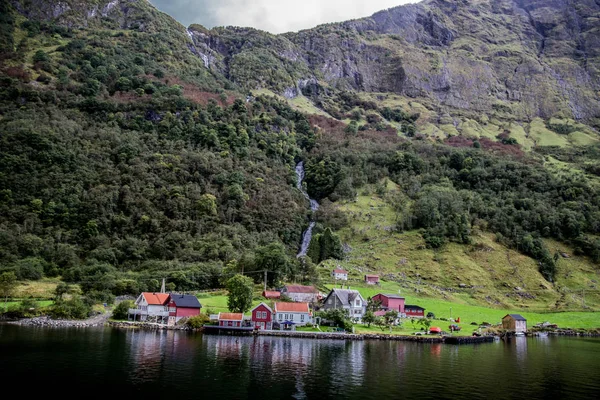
{"x": 132, "y": 149}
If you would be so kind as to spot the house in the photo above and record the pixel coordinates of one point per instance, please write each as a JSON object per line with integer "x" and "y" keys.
{"x": 271, "y": 294}
{"x": 182, "y": 305}
{"x": 390, "y": 302}
{"x": 301, "y": 293}
{"x": 372, "y": 279}
{"x": 347, "y": 299}
{"x": 288, "y": 315}
{"x": 230, "y": 320}
{"x": 262, "y": 317}
{"x": 515, "y": 323}
{"x": 150, "y": 307}
{"x": 339, "y": 274}
{"x": 412, "y": 311}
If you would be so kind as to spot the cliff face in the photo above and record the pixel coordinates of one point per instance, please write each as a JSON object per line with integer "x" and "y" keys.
{"x": 538, "y": 58}
{"x": 531, "y": 58}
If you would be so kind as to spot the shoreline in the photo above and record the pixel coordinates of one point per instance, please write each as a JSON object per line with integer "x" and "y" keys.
{"x": 102, "y": 320}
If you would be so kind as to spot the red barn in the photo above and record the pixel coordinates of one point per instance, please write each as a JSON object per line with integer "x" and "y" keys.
{"x": 262, "y": 317}
{"x": 183, "y": 305}
{"x": 414, "y": 311}
{"x": 372, "y": 279}
{"x": 390, "y": 302}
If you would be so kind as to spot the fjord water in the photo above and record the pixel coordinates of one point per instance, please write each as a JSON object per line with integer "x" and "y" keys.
{"x": 177, "y": 364}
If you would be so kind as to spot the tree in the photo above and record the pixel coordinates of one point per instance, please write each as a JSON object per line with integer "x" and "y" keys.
{"x": 425, "y": 322}
{"x": 122, "y": 309}
{"x": 240, "y": 293}
{"x": 369, "y": 318}
{"x": 8, "y": 283}
{"x": 61, "y": 289}
{"x": 339, "y": 317}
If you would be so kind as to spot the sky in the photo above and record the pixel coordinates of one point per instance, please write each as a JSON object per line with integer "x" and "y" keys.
{"x": 275, "y": 16}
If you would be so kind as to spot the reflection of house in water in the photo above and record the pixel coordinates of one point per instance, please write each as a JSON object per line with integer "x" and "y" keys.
{"x": 227, "y": 346}
{"x": 148, "y": 350}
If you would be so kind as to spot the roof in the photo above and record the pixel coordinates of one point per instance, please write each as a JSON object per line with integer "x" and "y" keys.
{"x": 270, "y": 294}
{"x": 300, "y": 289}
{"x": 291, "y": 307}
{"x": 153, "y": 298}
{"x": 346, "y": 296}
{"x": 340, "y": 271}
{"x": 185, "y": 300}
{"x": 372, "y": 276}
{"x": 390, "y": 296}
{"x": 516, "y": 317}
{"x": 262, "y": 304}
{"x": 231, "y": 316}
{"x": 412, "y": 306}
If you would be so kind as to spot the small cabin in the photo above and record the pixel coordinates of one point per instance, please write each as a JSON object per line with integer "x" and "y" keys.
{"x": 390, "y": 302}
{"x": 515, "y": 323}
{"x": 413, "y": 311}
{"x": 271, "y": 294}
{"x": 262, "y": 317}
{"x": 372, "y": 279}
{"x": 339, "y": 274}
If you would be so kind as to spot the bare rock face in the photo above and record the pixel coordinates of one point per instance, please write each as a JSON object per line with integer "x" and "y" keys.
{"x": 536, "y": 58}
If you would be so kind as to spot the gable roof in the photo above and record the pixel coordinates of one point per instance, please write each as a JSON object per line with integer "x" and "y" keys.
{"x": 271, "y": 294}
{"x": 185, "y": 300}
{"x": 291, "y": 307}
{"x": 346, "y": 296}
{"x": 156, "y": 299}
{"x": 226, "y": 316}
{"x": 516, "y": 317}
{"x": 412, "y": 306}
{"x": 389, "y": 296}
{"x": 300, "y": 289}
{"x": 372, "y": 276}
{"x": 340, "y": 271}
{"x": 262, "y": 304}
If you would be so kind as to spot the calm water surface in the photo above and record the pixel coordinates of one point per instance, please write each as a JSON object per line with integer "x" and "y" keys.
{"x": 169, "y": 364}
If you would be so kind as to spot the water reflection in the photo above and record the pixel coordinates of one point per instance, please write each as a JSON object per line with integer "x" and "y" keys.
{"x": 181, "y": 364}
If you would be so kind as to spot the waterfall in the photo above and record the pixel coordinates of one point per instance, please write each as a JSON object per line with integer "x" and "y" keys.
{"x": 314, "y": 206}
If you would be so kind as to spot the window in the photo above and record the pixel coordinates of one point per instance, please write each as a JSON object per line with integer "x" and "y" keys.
{"x": 329, "y": 301}
{"x": 301, "y": 317}
{"x": 357, "y": 302}
{"x": 280, "y": 317}
{"x": 264, "y": 315}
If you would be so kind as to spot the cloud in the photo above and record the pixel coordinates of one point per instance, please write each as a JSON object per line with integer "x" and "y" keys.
{"x": 275, "y": 16}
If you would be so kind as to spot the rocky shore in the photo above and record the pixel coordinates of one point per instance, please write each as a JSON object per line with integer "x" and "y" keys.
{"x": 146, "y": 325}
{"x": 99, "y": 320}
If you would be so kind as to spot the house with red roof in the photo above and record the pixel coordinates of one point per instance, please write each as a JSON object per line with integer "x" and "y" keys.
{"x": 231, "y": 320}
{"x": 271, "y": 294}
{"x": 262, "y": 317}
{"x": 151, "y": 307}
{"x": 300, "y": 293}
{"x": 290, "y": 315}
{"x": 339, "y": 274}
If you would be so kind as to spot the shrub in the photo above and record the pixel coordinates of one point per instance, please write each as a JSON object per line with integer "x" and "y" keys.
{"x": 197, "y": 321}
{"x": 121, "y": 310}
{"x": 430, "y": 315}
{"x": 70, "y": 309}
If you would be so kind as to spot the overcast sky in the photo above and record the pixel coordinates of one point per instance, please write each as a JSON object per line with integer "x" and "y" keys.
{"x": 275, "y": 16}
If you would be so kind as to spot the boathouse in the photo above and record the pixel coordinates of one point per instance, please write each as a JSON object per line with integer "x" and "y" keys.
{"x": 515, "y": 323}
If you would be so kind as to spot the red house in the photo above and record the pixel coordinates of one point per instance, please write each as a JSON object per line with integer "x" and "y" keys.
{"x": 262, "y": 317}
{"x": 414, "y": 311}
{"x": 183, "y": 305}
{"x": 372, "y": 279}
{"x": 390, "y": 302}
{"x": 231, "y": 320}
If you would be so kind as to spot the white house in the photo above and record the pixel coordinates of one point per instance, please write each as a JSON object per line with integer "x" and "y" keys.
{"x": 151, "y": 307}
{"x": 301, "y": 293}
{"x": 349, "y": 300}
{"x": 292, "y": 314}
{"x": 339, "y": 274}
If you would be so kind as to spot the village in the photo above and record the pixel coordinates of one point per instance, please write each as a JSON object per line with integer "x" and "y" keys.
{"x": 299, "y": 308}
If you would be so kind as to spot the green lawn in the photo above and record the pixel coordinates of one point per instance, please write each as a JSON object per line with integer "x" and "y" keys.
{"x": 217, "y": 303}
{"x": 471, "y": 313}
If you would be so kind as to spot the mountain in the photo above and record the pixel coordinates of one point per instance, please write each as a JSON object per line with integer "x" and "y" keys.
{"x": 134, "y": 148}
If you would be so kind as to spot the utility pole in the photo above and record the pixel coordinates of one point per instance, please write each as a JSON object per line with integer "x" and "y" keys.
{"x": 162, "y": 288}
{"x": 265, "y": 279}
{"x": 583, "y": 297}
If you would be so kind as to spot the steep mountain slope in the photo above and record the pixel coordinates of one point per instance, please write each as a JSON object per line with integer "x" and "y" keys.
{"x": 516, "y": 58}
{"x": 133, "y": 148}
